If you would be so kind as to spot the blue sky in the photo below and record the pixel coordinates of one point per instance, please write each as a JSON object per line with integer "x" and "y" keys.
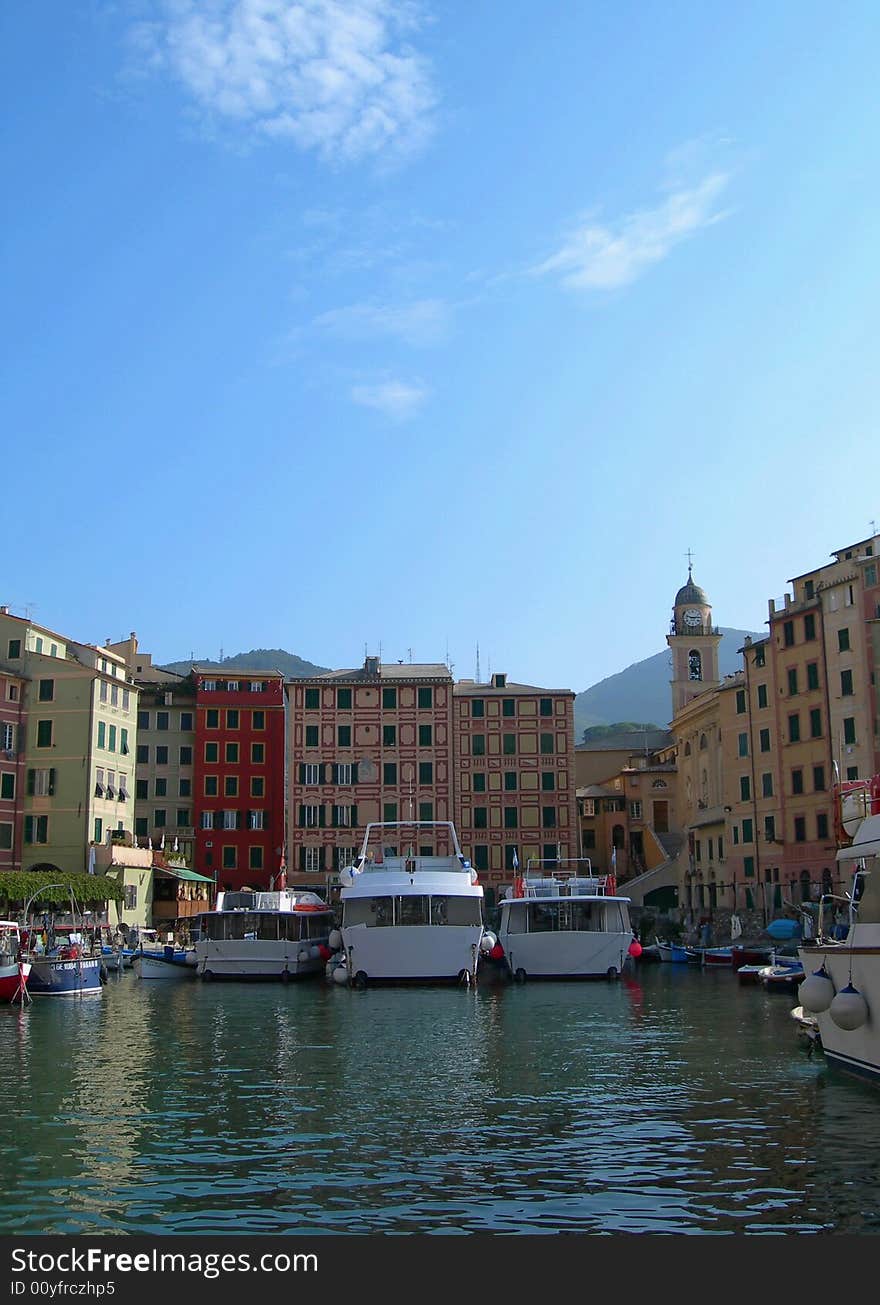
{"x": 404, "y": 327}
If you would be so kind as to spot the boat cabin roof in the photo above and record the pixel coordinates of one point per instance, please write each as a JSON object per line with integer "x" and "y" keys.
{"x": 255, "y": 901}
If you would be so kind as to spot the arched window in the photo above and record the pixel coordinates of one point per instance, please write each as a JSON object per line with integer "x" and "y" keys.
{"x": 617, "y": 836}
{"x": 703, "y": 743}
{"x": 687, "y": 749}
{"x": 695, "y": 665}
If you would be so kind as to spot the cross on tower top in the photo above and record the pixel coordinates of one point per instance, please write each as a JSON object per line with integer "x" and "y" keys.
{"x": 690, "y": 558}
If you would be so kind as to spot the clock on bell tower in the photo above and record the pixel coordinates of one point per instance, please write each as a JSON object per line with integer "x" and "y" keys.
{"x": 694, "y": 642}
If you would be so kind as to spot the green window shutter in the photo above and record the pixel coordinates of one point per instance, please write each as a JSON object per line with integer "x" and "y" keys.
{"x": 28, "y": 829}
{"x": 302, "y": 858}
{"x": 335, "y": 821}
{"x": 354, "y": 816}
{"x": 302, "y": 773}
{"x": 334, "y": 773}
{"x": 52, "y": 781}
{"x": 322, "y": 816}
{"x": 31, "y": 783}
{"x": 354, "y": 773}
{"x": 302, "y": 817}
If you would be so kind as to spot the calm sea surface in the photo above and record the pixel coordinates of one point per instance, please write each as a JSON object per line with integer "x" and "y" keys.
{"x": 672, "y": 1101}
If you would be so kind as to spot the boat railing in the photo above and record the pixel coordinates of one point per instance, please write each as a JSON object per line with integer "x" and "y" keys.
{"x": 532, "y": 886}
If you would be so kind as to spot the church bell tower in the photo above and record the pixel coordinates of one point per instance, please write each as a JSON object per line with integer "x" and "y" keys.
{"x": 694, "y": 642}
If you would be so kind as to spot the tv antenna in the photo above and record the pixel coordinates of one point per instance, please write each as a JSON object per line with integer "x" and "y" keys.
{"x": 478, "y": 664}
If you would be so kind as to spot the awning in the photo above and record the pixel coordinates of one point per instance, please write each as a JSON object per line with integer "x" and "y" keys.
{"x": 180, "y": 872}
{"x": 867, "y": 841}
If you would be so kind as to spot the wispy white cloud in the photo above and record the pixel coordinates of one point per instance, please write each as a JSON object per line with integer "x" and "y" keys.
{"x": 334, "y": 76}
{"x": 420, "y": 323}
{"x": 395, "y": 399}
{"x": 604, "y": 256}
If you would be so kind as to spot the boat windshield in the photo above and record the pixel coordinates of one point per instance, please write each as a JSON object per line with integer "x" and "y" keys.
{"x": 255, "y": 927}
{"x": 439, "y": 909}
{"x": 567, "y": 915}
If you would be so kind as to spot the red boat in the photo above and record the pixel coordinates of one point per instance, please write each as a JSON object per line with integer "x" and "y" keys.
{"x": 13, "y": 971}
{"x": 751, "y": 956}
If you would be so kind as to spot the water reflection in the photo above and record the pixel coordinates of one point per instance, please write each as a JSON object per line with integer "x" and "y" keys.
{"x": 671, "y": 1101}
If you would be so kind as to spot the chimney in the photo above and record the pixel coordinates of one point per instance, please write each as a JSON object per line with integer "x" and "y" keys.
{"x": 4, "y": 610}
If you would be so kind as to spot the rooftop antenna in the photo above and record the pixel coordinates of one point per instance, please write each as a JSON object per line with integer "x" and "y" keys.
{"x": 409, "y": 654}
{"x": 873, "y": 525}
{"x": 221, "y": 654}
{"x": 479, "y": 681}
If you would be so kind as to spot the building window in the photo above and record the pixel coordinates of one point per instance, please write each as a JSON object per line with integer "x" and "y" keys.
{"x": 749, "y": 867}
{"x": 508, "y": 745}
{"x": 212, "y": 754}
{"x": 102, "y": 691}
{"x": 548, "y": 781}
{"x": 426, "y": 772}
{"x": 161, "y": 787}
{"x": 311, "y": 816}
{"x": 762, "y": 695}
{"x": 141, "y": 790}
{"x": 229, "y": 855}
{"x": 809, "y": 626}
{"x": 426, "y": 811}
{"x": 740, "y": 701}
{"x": 123, "y": 741}
{"x": 313, "y": 699}
{"x": 547, "y": 744}
{"x": 162, "y": 754}
{"x": 207, "y": 820}
{"x": 481, "y": 856}
{"x": 341, "y": 816}
{"x": 479, "y": 782}
{"x": 389, "y": 736}
{"x": 232, "y": 719}
{"x": 232, "y": 754}
{"x": 818, "y": 779}
{"x": 14, "y": 649}
{"x": 800, "y": 829}
{"x": 426, "y": 736}
{"x": 36, "y": 829}
{"x": 389, "y": 772}
{"x": 843, "y": 639}
{"x": 389, "y": 698}
{"x": 231, "y": 820}
{"x": 849, "y": 729}
{"x": 7, "y": 786}
{"x": 589, "y": 839}
{"x": 508, "y": 707}
{"x": 426, "y": 697}
{"x": 311, "y": 773}
{"x": 258, "y": 753}
{"x": 478, "y": 707}
{"x": 760, "y": 655}
{"x": 742, "y": 745}
{"x": 46, "y": 691}
{"x": 186, "y": 720}
{"x": 816, "y": 723}
{"x": 852, "y": 772}
{"x": 478, "y": 745}
{"x": 767, "y": 784}
{"x": 389, "y": 812}
{"x": 343, "y": 773}
{"x": 745, "y": 789}
{"x": 797, "y": 781}
{"x": 209, "y": 686}
{"x": 311, "y": 736}
{"x": 546, "y": 707}
{"x": 258, "y": 786}
{"x": 159, "y": 818}
{"x": 184, "y": 816}
{"x": 343, "y": 699}
{"x": 548, "y": 817}
{"x": 794, "y": 728}
{"x": 511, "y": 818}
{"x": 510, "y": 781}
{"x": 747, "y": 831}
{"x": 212, "y": 718}
{"x": 343, "y": 736}
{"x": 821, "y": 825}
{"x": 162, "y": 720}
{"x": 142, "y": 754}
{"x": 812, "y": 675}
{"x": 792, "y": 682}
{"x": 44, "y": 734}
{"x": 230, "y": 786}
{"x": 481, "y": 817}
{"x": 258, "y": 720}
{"x": 788, "y": 634}
{"x": 846, "y": 683}
{"x": 764, "y": 739}
{"x": 212, "y": 785}
{"x": 770, "y": 829}
{"x": 255, "y": 858}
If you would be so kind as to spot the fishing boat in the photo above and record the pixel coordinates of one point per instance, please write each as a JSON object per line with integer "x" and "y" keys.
{"x": 841, "y": 989}
{"x": 783, "y": 976}
{"x": 568, "y": 924}
{"x": 674, "y": 952}
{"x": 412, "y": 909}
{"x": 62, "y": 959}
{"x": 252, "y": 934}
{"x": 13, "y": 970}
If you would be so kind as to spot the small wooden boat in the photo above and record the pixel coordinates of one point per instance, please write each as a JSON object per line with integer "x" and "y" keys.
{"x": 673, "y": 952}
{"x": 756, "y": 956}
{"x": 718, "y": 956}
{"x": 781, "y": 978}
{"x": 167, "y": 963}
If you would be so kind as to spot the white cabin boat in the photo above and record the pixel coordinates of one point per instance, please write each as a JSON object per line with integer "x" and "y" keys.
{"x": 260, "y": 935}
{"x": 412, "y": 907}
{"x": 841, "y": 987}
{"x": 564, "y": 923}
{"x": 168, "y": 962}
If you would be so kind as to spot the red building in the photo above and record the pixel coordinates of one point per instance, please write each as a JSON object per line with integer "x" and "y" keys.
{"x": 239, "y": 777}
{"x": 12, "y": 735}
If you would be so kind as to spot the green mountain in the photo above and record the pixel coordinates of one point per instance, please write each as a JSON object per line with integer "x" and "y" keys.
{"x": 258, "y": 659}
{"x": 642, "y": 692}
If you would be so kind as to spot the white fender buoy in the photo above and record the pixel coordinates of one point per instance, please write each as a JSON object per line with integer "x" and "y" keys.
{"x": 340, "y": 974}
{"x": 817, "y": 991}
{"x": 334, "y": 940}
{"x": 487, "y": 942}
{"x": 849, "y": 1010}
{"x": 315, "y": 953}
{"x": 303, "y": 955}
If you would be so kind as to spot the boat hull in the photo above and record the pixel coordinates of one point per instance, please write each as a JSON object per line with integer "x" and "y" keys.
{"x": 13, "y": 979}
{"x": 428, "y": 953}
{"x": 855, "y": 1050}
{"x": 253, "y": 959}
{"x": 180, "y": 965}
{"x": 54, "y": 977}
{"x": 580, "y": 954}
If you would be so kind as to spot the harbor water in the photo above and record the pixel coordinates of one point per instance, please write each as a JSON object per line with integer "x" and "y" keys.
{"x": 671, "y": 1101}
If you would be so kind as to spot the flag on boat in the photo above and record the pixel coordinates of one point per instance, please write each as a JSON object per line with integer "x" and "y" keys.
{"x": 614, "y": 858}
{"x": 162, "y": 844}
{"x": 515, "y": 860}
